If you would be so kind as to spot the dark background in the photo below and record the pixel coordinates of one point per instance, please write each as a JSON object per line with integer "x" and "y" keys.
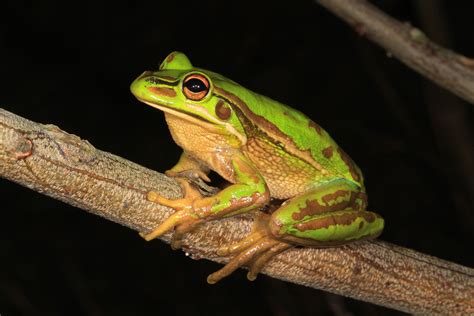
{"x": 71, "y": 63}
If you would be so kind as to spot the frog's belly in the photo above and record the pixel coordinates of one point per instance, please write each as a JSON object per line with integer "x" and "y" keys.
{"x": 211, "y": 149}
{"x": 285, "y": 174}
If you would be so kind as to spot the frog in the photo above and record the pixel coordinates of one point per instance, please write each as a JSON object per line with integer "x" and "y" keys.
{"x": 267, "y": 151}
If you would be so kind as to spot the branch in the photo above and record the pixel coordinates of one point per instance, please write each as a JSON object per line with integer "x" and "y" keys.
{"x": 448, "y": 69}
{"x": 61, "y": 165}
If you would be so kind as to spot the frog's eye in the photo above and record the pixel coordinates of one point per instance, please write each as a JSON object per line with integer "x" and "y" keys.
{"x": 195, "y": 87}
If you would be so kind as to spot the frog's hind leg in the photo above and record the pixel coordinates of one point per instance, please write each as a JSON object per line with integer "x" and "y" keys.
{"x": 328, "y": 215}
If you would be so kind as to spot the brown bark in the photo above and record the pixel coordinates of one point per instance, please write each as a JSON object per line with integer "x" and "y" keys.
{"x": 61, "y": 165}
{"x": 410, "y": 45}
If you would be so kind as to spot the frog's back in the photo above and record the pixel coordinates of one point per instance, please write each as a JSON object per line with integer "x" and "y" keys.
{"x": 291, "y": 136}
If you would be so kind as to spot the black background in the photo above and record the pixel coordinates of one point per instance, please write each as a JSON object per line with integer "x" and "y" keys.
{"x": 71, "y": 63}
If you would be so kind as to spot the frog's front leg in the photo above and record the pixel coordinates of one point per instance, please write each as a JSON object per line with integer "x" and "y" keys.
{"x": 249, "y": 192}
{"x": 327, "y": 215}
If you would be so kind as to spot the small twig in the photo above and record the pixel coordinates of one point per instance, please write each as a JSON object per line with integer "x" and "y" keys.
{"x": 448, "y": 69}
{"x": 61, "y": 165}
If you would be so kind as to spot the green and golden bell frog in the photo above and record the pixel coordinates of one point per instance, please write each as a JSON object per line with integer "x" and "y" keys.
{"x": 266, "y": 150}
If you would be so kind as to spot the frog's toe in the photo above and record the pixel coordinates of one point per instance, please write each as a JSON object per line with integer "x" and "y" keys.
{"x": 259, "y": 230}
{"x": 179, "y": 218}
{"x": 240, "y": 260}
{"x": 258, "y": 264}
{"x": 260, "y": 252}
{"x": 191, "y": 174}
{"x": 177, "y": 204}
{"x": 190, "y": 193}
{"x": 181, "y": 230}
{"x": 184, "y": 219}
{"x": 241, "y": 245}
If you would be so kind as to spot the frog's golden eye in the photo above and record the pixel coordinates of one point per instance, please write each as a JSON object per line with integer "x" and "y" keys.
{"x": 195, "y": 87}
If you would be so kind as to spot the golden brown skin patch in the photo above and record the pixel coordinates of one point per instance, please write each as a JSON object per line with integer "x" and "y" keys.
{"x": 222, "y": 110}
{"x": 315, "y": 126}
{"x": 315, "y": 207}
{"x": 285, "y": 175}
{"x": 200, "y": 144}
{"x": 168, "y": 92}
{"x": 341, "y": 219}
{"x": 328, "y": 151}
{"x": 350, "y": 165}
{"x": 170, "y": 58}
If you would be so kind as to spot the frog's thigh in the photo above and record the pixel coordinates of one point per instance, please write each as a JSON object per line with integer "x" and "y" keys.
{"x": 331, "y": 214}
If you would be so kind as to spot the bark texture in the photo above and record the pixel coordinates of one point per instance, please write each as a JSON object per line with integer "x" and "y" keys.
{"x": 65, "y": 167}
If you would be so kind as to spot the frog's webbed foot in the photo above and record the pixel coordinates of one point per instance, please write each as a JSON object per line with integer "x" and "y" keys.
{"x": 256, "y": 256}
{"x": 183, "y": 220}
{"x": 253, "y": 251}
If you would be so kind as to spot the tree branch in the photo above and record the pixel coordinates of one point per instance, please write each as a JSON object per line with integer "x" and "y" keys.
{"x": 448, "y": 69}
{"x": 61, "y": 165}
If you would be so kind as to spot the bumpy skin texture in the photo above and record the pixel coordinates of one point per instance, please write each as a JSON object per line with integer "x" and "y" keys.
{"x": 267, "y": 150}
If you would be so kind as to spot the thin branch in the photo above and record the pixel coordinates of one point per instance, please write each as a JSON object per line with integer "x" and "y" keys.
{"x": 61, "y": 165}
{"x": 448, "y": 69}
{"x": 450, "y": 119}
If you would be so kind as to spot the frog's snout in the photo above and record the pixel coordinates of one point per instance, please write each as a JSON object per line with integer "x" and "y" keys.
{"x": 137, "y": 84}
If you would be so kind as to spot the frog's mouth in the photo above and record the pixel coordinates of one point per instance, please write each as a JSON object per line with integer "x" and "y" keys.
{"x": 188, "y": 116}
{"x": 210, "y": 123}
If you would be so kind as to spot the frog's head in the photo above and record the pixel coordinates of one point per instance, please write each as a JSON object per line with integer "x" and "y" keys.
{"x": 180, "y": 89}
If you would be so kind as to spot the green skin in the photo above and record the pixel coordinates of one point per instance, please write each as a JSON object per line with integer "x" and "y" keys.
{"x": 328, "y": 205}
